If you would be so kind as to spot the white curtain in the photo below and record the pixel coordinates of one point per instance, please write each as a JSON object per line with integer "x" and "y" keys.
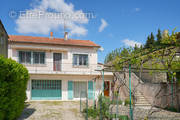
{"x": 80, "y": 87}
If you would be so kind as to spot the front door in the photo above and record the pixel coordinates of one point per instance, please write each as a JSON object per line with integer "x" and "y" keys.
{"x": 57, "y": 57}
{"x": 106, "y": 88}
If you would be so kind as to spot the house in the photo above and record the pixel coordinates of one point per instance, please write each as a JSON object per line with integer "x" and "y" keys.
{"x": 3, "y": 41}
{"x": 59, "y": 68}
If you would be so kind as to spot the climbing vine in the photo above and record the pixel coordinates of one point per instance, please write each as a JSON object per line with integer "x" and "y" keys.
{"x": 160, "y": 58}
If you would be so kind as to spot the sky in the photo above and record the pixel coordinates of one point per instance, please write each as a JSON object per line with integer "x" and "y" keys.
{"x": 109, "y": 23}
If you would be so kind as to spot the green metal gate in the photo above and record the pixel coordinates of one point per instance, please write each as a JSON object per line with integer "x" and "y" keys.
{"x": 46, "y": 90}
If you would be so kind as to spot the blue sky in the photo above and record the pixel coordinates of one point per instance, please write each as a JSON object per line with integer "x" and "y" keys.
{"x": 123, "y": 22}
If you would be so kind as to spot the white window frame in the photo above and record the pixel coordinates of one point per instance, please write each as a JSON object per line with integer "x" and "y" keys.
{"x": 32, "y": 57}
{"x": 78, "y": 60}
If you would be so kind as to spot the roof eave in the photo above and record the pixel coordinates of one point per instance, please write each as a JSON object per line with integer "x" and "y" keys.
{"x": 53, "y": 44}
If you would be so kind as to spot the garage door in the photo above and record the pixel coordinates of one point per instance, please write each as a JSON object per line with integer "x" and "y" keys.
{"x": 46, "y": 90}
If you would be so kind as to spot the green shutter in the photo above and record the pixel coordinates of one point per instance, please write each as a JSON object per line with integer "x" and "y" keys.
{"x": 70, "y": 90}
{"x": 90, "y": 89}
{"x": 46, "y": 90}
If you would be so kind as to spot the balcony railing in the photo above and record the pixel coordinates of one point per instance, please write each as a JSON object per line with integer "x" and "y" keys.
{"x": 63, "y": 68}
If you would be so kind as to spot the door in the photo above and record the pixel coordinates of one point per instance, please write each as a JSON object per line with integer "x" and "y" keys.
{"x": 106, "y": 88}
{"x": 46, "y": 90}
{"x": 57, "y": 57}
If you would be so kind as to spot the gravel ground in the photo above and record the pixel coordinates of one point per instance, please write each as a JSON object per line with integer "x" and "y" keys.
{"x": 59, "y": 110}
{"x": 51, "y": 110}
{"x": 142, "y": 113}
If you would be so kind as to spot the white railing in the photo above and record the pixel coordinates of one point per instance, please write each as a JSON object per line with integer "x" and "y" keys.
{"x": 63, "y": 68}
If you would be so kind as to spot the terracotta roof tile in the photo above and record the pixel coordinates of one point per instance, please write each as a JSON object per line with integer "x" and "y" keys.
{"x": 46, "y": 40}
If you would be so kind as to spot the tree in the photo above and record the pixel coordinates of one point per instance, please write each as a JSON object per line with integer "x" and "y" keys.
{"x": 150, "y": 41}
{"x": 159, "y": 37}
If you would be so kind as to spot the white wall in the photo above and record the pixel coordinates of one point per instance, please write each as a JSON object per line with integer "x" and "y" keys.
{"x": 67, "y": 58}
{"x": 65, "y": 79}
{"x": 45, "y": 72}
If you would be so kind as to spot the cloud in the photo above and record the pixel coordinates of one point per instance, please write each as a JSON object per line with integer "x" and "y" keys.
{"x": 103, "y": 25}
{"x": 137, "y": 9}
{"x": 47, "y": 15}
{"x": 131, "y": 43}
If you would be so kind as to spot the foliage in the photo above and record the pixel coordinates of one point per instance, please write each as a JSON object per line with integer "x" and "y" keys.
{"x": 93, "y": 113}
{"x": 119, "y": 52}
{"x": 13, "y": 79}
{"x": 172, "y": 109}
{"x": 121, "y": 117}
{"x": 153, "y": 56}
{"x": 127, "y": 101}
{"x": 159, "y": 37}
{"x": 103, "y": 110}
{"x": 115, "y": 102}
{"x": 150, "y": 41}
{"x": 104, "y": 104}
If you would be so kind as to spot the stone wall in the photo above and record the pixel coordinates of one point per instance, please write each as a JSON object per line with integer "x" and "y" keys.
{"x": 157, "y": 94}
{"x": 161, "y": 94}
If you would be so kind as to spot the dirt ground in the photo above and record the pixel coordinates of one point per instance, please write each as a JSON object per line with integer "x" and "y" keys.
{"x": 52, "y": 110}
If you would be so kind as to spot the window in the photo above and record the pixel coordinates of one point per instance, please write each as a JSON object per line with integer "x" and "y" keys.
{"x": 38, "y": 57}
{"x": 26, "y": 57}
{"x": 80, "y": 88}
{"x": 80, "y": 60}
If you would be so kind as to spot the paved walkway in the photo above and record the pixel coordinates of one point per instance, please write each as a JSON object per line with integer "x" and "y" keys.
{"x": 51, "y": 110}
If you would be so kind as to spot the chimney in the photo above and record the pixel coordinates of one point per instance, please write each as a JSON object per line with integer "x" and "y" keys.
{"x": 66, "y": 36}
{"x": 51, "y": 35}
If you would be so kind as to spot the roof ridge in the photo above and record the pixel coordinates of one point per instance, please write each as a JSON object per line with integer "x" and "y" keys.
{"x": 48, "y": 37}
{"x": 47, "y": 40}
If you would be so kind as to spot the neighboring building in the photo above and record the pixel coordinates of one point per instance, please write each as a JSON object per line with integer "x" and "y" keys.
{"x": 59, "y": 68}
{"x": 3, "y": 41}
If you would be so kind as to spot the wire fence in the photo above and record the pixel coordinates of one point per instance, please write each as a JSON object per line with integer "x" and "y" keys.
{"x": 150, "y": 100}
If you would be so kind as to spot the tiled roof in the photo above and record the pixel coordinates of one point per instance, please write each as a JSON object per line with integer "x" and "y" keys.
{"x": 55, "y": 41}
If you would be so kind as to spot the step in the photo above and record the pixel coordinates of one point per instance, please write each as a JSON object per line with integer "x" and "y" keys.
{"x": 141, "y": 100}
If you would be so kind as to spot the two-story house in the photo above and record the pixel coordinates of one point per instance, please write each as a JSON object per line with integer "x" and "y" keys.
{"x": 59, "y": 68}
{"x": 3, "y": 41}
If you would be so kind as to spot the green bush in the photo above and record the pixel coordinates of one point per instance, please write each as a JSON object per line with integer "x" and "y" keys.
{"x": 121, "y": 117}
{"x": 93, "y": 113}
{"x": 172, "y": 109}
{"x": 127, "y": 101}
{"x": 114, "y": 102}
{"x": 13, "y": 82}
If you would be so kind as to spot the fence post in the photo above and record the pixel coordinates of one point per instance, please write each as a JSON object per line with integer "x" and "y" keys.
{"x": 172, "y": 90}
{"x": 100, "y": 103}
{"x": 103, "y": 82}
{"x": 94, "y": 93}
{"x": 117, "y": 107}
{"x": 130, "y": 106}
{"x": 86, "y": 106}
{"x": 80, "y": 101}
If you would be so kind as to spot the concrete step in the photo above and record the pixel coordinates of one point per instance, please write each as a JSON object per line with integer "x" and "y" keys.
{"x": 142, "y": 105}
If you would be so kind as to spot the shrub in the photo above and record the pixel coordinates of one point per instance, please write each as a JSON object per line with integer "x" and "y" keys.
{"x": 104, "y": 104}
{"x": 172, "y": 109}
{"x": 93, "y": 113}
{"x": 114, "y": 102}
{"x": 13, "y": 82}
{"x": 127, "y": 101}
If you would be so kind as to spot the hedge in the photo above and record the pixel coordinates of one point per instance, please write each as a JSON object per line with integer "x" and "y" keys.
{"x": 13, "y": 83}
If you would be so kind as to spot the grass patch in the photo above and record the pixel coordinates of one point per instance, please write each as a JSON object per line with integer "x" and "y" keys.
{"x": 52, "y": 102}
{"x": 75, "y": 111}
